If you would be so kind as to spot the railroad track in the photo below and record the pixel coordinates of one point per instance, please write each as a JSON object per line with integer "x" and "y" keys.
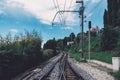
{"x": 60, "y": 70}
{"x": 60, "y": 65}
{"x": 70, "y": 74}
{"x": 66, "y": 72}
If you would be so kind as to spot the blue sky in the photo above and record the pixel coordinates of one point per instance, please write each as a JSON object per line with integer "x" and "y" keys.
{"x": 18, "y": 15}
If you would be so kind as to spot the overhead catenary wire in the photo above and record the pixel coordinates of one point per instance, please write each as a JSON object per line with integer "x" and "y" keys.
{"x": 57, "y": 10}
{"x": 69, "y": 7}
{"x": 65, "y": 4}
{"x": 64, "y": 23}
{"x": 58, "y": 6}
{"x": 65, "y": 16}
{"x": 96, "y": 6}
{"x": 61, "y": 14}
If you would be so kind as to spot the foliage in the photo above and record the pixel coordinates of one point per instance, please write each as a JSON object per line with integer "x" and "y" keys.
{"x": 72, "y": 37}
{"x": 59, "y": 45}
{"x": 112, "y": 13}
{"x": 51, "y": 44}
{"x": 109, "y": 38}
{"x": 48, "y": 53}
{"x": 103, "y": 56}
{"x": 77, "y": 38}
{"x": 105, "y": 18}
{"x": 75, "y": 55}
{"x": 19, "y": 53}
{"x": 116, "y": 75}
{"x": 64, "y": 42}
{"x": 95, "y": 44}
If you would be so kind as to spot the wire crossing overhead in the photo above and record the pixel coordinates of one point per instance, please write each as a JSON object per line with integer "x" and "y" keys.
{"x": 81, "y": 13}
{"x": 63, "y": 5}
{"x": 61, "y": 11}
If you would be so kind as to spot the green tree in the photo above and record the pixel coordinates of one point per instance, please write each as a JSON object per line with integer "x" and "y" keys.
{"x": 65, "y": 42}
{"x": 105, "y": 18}
{"x": 109, "y": 38}
{"x": 59, "y": 44}
{"x": 50, "y": 44}
{"x": 72, "y": 37}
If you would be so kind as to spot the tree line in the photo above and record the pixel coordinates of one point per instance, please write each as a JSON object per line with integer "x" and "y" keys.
{"x": 110, "y": 35}
{"x": 19, "y": 53}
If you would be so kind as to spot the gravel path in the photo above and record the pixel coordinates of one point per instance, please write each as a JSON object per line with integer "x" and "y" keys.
{"x": 94, "y": 72}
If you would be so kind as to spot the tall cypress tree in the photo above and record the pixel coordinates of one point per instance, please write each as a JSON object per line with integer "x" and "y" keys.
{"x": 110, "y": 12}
{"x": 113, "y": 12}
{"x": 110, "y": 35}
{"x": 105, "y": 18}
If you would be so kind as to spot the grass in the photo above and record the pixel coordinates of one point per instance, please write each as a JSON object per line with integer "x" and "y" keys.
{"x": 116, "y": 75}
{"x": 74, "y": 55}
{"x": 101, "y": 56}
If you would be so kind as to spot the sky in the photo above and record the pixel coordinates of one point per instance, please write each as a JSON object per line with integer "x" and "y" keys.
{"x": 19, "y": 15}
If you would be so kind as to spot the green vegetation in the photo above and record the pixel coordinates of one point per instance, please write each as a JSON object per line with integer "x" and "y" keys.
{"x": 24, "y": 51}
{"x": 110, "y": 34}
{"x": 50, "y": 44}
{"x": 116, "y": 75}
{"x": 48, "y": 53}
{"x": 21, "y": 52}
{"x": 101, "y": 56}
{"x": 74, "y": 55}
{"x": 105, "y": 42}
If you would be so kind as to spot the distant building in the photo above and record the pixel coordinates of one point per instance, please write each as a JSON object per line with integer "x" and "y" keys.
{"x": 70, "y": 43}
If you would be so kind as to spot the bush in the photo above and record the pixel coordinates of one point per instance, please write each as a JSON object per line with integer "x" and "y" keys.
{"x": 19, "y": 53}
{"x": 116, "y": 75}
{"x": 48, "y": 53}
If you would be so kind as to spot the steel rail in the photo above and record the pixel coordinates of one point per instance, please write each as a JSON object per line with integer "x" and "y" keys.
{"x": 62, "y": 68}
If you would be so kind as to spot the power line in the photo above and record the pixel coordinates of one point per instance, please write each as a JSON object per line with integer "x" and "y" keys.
{"x": 58, "y": 6}
{"x": 57, "y": 10}
{"x": 65, "y": 17}
{"x": 97, "y": 5}
{"x": 62, "y": 16}
{"x": 64, "y": 13}
{"x": 70, "y": 4}
{"x": 64, "y": 4}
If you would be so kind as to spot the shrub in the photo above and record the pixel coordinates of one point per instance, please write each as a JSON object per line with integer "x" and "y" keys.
{"x": 116, "y": 75}
{"x": 48, "y": 53}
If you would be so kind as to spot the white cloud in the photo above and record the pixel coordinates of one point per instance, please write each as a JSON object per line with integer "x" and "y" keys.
{"x": 14, "y": 30}
{"x": 95, "y": 1}
{"x": 86, "y": 1}
{"x": 1, "y": 12}
{"x": 67, "y": 28}
{"x": 89, "y": 15}
{"x": 42, "y": 9}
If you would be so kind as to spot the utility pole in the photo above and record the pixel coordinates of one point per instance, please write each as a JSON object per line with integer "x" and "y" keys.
{"x": 81, "y": 14}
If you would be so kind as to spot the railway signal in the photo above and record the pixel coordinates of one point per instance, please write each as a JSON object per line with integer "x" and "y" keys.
{"x": 89, "y": 26}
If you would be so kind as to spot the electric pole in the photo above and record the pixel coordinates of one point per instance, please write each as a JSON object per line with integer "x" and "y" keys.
{"x": 81, "y": 14}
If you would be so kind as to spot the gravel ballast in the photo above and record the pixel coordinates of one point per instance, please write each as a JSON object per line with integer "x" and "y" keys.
{"x": 94, "y": 72}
